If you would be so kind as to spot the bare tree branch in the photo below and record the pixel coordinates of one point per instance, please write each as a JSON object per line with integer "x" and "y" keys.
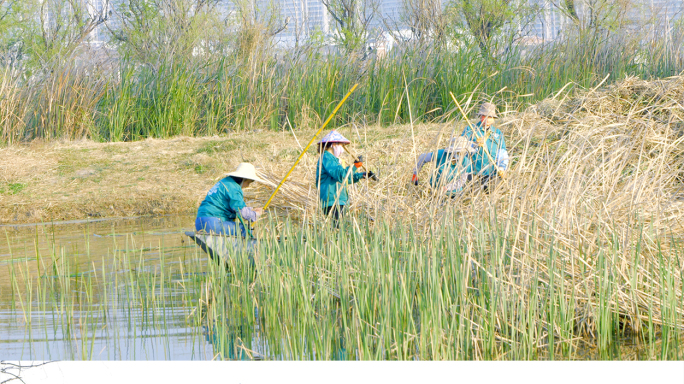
{"x": 6, "y": 367}
{"x": 353, "y": 19}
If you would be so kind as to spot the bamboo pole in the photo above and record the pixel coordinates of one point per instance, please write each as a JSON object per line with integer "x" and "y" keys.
{"x": 375, "y": 177}
{"x": 309, "y": 145}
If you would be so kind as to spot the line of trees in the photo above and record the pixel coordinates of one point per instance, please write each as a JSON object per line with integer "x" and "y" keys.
{"x": 37, "y": 35}
{"x": 192, "y": 67}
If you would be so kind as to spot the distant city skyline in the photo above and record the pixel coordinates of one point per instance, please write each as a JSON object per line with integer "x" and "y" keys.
{"x": 306, "y": 17}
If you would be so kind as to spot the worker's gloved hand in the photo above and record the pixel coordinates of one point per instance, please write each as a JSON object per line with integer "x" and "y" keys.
{"x": 251, "y": 214}
{"x": 501, "y": 173}
{"x": 358, "y": 163}
{"x": 414, "y": 179}
{"x": 369, "y": 175}
{"x": 481, "y": 141}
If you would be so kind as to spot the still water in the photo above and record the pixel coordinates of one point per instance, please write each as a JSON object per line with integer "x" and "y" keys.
{"x": 102, "y": 290}
{"x": 139, "y": 289}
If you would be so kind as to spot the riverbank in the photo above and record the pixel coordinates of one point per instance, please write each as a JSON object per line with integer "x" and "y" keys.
{"x": 85, "y": 179}
{"x": 75, "y": 180}
{"x": 600, "y": 155}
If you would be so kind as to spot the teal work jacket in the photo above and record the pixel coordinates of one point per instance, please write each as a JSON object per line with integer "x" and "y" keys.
{"x": 446, "y": 172}
{"x": 496, "y": 146}
{"x": 331, "y": 178}
{"x": 224, "y": 200}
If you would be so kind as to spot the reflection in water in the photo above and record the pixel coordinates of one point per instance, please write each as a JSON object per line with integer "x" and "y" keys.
{"x": 139, "y": 290}
{"x": 228, "y": 335}
{"x": 228, "y": 346}
{"x": 232, "y": 340}
{"x": 109, "y": 290}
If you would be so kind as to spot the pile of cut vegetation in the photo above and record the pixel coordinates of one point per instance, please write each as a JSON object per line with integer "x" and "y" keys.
{"x": 595, "y": 184}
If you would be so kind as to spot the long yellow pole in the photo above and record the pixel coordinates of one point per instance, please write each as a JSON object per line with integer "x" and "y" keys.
{"x": 309, "y": 145}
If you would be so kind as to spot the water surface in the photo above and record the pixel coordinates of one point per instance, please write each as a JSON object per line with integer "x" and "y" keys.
{"x": 108, "y": 289}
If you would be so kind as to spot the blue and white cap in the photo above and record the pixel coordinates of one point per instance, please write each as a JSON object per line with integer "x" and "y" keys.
{"x": 334, "y": 137}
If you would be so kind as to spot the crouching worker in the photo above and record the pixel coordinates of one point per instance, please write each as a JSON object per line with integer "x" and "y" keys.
{"x": 332, "y": 177}
{"x": 491, "y": 158}
{"x": 453, "y": 166}
{"x": 225, "y": 204}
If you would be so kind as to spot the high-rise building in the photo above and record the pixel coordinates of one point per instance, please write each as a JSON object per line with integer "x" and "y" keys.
{"x": 308, "y": 17}
{"x": 551, "y": 19}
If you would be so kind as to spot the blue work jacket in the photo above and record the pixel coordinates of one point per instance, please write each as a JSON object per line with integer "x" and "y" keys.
{"x": 224, "y": 200}
{"x": 496, "y": 145}
{"x": 331, "y": 178}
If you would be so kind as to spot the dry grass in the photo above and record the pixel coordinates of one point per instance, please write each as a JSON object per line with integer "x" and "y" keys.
{"x": 597, "y": 157}
{"x": 81, "y": 179}
{"x": 595, "y": 176}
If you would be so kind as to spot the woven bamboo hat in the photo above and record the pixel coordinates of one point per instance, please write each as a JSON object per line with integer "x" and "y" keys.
{"x": 246, "y": 171}
{"x": 334, "y": 137}
{"x": 487, "y": 109}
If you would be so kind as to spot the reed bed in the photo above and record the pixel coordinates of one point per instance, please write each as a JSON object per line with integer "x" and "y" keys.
{"x": 576, "y": 253}
{"x": 126, "y": 100}
{"x": 588, "y": 225}
{"x": 132, "y": 301}
{"x": 369, "y": 291}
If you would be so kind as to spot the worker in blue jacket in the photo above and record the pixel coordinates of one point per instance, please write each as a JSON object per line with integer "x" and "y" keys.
{"x": 332, "y": 178}
{"x": 224, "y": 211}
{"x": 453, "y": 166}
{"x": 491, "y": 158}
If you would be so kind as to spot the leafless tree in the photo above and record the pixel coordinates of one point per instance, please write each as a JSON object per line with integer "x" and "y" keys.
{"x": 63, "y": 26}
{"x": 595, "y": 15}
{"x": 353, "y": 20}
{"x": 495, "y": 25}
{"x": 160, "y": 31}
{"x": 258, "y": 25}
{"x": 426, "y": 19}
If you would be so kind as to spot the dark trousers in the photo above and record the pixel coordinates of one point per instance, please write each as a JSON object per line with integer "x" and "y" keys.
{"x": 335, "y": 211}
{"x": 485, "y": 180}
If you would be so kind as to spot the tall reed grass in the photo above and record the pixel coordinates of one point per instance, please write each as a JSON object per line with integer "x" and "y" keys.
{"x": 300, "y": 87}
{"x": 578, "y": 251}
{"x": 372, "y": 290}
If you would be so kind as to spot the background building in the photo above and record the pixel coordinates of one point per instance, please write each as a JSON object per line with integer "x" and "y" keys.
{"x": 309, "y": 17}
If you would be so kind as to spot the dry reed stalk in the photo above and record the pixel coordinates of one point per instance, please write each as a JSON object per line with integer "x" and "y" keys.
{"x": 11, "y": 111}
{"x": 598, "y": 171}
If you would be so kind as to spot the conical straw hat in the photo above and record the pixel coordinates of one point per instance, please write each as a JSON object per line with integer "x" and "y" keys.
{"x": 334, "y": 137}
{"x": 487, "y": 109}
{"x": 246, "y": 171}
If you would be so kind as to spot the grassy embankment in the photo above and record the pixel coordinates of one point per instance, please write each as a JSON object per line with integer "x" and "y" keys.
{"x": 67, "y": 180}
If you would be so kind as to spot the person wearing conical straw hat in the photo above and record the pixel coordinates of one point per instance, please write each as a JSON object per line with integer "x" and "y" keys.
{"x": 453, "y": 166}
{"x": 491, "y": 145}
{"x": 332, "y": 177}
{"x": 225, "y": 204}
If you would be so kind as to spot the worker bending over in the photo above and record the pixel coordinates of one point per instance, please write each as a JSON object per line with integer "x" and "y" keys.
{"x": 225, "y": 204}
{"x": 453, "y": 166}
